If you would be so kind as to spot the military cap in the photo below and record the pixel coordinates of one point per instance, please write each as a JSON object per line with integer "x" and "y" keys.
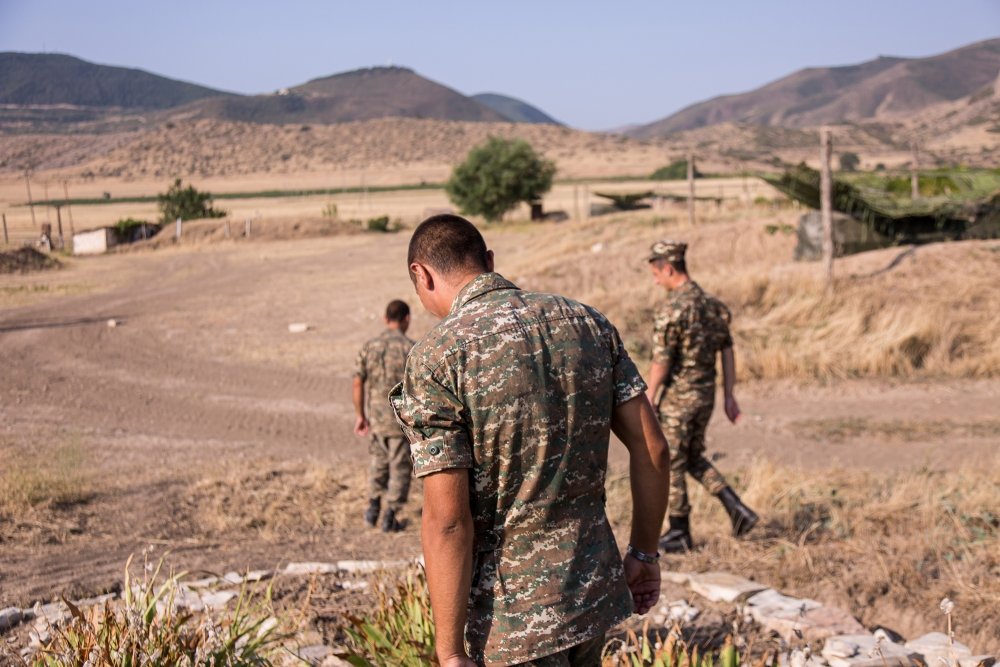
{"x": 672, "y": 251}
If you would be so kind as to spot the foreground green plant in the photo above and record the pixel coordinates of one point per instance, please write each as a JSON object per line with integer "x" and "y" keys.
{"x": 146, "y": 628}
{"x": 400, "y": 631}
{"x": 654, "y": 650}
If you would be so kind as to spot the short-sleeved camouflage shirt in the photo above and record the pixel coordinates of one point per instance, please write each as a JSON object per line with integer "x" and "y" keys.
{"x": 380, "y": 364}
{"x": 687, "y": 335}
{"x": 519, "y": 388}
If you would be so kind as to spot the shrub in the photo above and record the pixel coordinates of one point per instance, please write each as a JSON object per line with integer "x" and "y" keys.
{"x": 379, "y": 224}
{"x": 330, "y": 211}
{"x": 675, "y": 171}
{"x": 849, "y": 161}
{"x": 125, "y": 225}
{"x": 497, "y": 176}
{"x": 186, "y": 203}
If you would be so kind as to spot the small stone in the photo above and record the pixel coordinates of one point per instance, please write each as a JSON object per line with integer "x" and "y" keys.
{"x": 799, "y": 618}
{"x": 314, "y": 655}
{"x": 349, "y": 585}
{"x": 232, "y": 578}
{"x": 723, "y": 587}
{"x": 9, "y": 618}
{"x": 218, "y": 599}
{"x": 258, "y": 575}
{"x": 112, "y": 323}
{"x": 298, "y": 327}
{"x": 681, "y": 578}
{"x": 202, "y": 583}
{"x": 311, "y": 568}
{"x": 864, "y": 650}
{"x": 936, "y": 648}
{"x": 365, "y": 566}
{"x": 682, "y": 612}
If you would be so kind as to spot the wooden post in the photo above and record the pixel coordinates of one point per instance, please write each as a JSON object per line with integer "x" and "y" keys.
{"x": 914, "y": 177}
{"x": 31, "y": 203}
{"x": 69, "y": 209}
{"x": 62, "y": 241}
{"x": 586, "y": 202}
{"x": 178, "y": 228}
{"x": 48, "y": 206}
{"x": 826, "y": 202}
{"x": 576, "y": 202}
{"x": 690, "y": 179}
{"x": 246, "y": 227}
{"x": 6, "y": 239}
{"x": 228, "y": 231}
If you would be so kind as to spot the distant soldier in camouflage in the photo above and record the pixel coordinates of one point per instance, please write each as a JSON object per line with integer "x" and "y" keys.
{"x": 688, "y": 332}
{"x": 380, "y": 367}
{"x": 508, "y": 404}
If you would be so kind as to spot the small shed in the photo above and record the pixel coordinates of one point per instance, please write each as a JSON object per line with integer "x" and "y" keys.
{"x": 95, "y": 241}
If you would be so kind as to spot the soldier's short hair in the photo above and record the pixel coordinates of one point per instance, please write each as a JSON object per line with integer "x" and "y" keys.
{"x": 448, "y": 243}
{"x": 397, "y": 311}
{"x": 679, "y": 265}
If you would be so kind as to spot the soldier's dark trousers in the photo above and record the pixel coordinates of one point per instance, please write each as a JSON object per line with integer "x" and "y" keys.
{"x": 389, "y": 470}
{"x": 587, "y": 654}
{"x": 685, "y": 433}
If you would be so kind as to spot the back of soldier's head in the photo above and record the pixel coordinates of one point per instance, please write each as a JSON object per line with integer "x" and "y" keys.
{"x": 450, "y": 244}
{"x": 397, "y": 311}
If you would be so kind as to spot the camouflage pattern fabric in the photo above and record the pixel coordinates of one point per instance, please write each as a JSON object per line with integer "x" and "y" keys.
{"x": 587, "y": 654}
{"x": 519, "y": 388}
{"x": 688, "y": 334}
{"x": 380, "y": 365}
{"x": 686, "y": 437}
{"x": 389, "y": 470}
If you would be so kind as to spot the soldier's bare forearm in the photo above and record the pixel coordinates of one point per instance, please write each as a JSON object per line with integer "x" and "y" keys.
{"x": 728, "y": 371}
{"x": 657, "y": 377}
{"x": 649, "y": 469}
{"x": 358, "y": 396}
{"x": 447, "y": 538}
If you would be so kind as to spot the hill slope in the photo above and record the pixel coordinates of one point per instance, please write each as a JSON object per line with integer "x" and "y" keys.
{"x": 364, "y": 94}
{"x": 876, "y": 90}
{"x": 515, "y": 110}
{"x": 51, "y": 78}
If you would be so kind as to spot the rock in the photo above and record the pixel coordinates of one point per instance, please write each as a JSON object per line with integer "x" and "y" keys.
{"x": 937, "y": 650}
{"x": 258, "y": 575}
{"x": 314, "y": 655}
{"x": 298, "y": 327}
{"x": 185, "y": 598}
{"x": 681, "y": 578}
{"x": 723, "y": 587}
{"x": 311, "y": 568}
{"x": 794, "y": 618}
{"x": 9, "y": 618}
{"x": 682, "y": 612}
{"x": 232, "y": 578}
{"x": 365, "y": 566}
{"x": 865, "y": 650}
{"x": 112, "y": 323}
{"x": 218, "y": 599}
{"x": 349, "y": 585}
{"x": 202, "y": 583}
{"x": 888, "y": 635}
{"x": 52, "y": 614}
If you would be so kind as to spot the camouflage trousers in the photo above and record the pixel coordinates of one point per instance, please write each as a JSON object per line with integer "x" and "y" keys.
{"x": 685, "y": 433}
{"x": 389, "y": 469}
{"x": 587, "y": 654}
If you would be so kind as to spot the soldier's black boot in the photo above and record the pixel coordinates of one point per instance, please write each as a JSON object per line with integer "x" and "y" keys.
{"x": 390, "y": 524}
{"x": 371, "y": 514}
{"x": 743, "y": 517}
{"x": 678, "y": 539}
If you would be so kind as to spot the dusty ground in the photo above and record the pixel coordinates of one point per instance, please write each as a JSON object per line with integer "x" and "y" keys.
{"x": 199, "y": 425}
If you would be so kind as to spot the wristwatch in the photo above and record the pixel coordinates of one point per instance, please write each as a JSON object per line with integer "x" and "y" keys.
{"x": 642, "y": 556}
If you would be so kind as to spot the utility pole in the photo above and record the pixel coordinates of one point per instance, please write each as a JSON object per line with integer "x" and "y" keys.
{"x": 690, "y": 179}
{"x": 826, "y": 202}
{"x": 48, "y": 212}
{"x": 69, "y": 209}
{"x": 6, "y": 239}
{"x": 31, "y": 203}
{"x": 914, "y": 177}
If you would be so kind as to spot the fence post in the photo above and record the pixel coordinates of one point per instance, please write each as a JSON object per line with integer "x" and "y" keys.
{"x": 6, "y": 240}
{"x": 914, "y": 177}
{"x": 178, "y": 228}
{"x": 690, "y": 180}
{"x": 826, "y": 202}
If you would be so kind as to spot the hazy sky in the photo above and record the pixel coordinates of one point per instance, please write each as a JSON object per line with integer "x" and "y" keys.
{"x": 593, "y": 65}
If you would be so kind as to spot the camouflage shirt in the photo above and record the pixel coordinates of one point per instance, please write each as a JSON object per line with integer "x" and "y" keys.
{"x": 519, "y": 388}
{"x": 380, "y": 365}
{"x": 687, "y": 335}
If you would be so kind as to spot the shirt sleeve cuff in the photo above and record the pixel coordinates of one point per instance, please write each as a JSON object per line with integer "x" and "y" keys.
{"x": 445, "y": 451}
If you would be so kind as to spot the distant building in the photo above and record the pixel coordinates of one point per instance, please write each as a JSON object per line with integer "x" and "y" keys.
{"x": 100, "y": 240}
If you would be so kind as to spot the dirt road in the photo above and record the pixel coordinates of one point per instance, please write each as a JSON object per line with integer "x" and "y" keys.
{"x": 199, "y": 425}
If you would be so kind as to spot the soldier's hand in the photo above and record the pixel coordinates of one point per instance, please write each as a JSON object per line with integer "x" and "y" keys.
{"x": 732, "y": 409}
{"x": 644, "y": 582}
{"x": 361, "y": 426}
{"x": 458, "y": 661}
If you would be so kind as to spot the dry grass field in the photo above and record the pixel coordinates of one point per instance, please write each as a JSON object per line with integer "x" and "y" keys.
{"x": 201, "y": 427}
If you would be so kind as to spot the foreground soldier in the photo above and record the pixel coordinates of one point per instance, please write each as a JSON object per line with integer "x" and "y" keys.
{"x": 380, "y": 367}
{"x": 690, "y": 330}
{"x": 508, "y": 404}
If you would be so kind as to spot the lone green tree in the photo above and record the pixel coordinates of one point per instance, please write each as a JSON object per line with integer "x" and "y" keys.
{"x": 498, "y": 175}
{"x": 186, "y": 203}
{"x": 849, "y": 161}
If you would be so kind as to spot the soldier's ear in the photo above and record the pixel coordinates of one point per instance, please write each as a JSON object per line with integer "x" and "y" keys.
{"x": 422, "y": 278}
